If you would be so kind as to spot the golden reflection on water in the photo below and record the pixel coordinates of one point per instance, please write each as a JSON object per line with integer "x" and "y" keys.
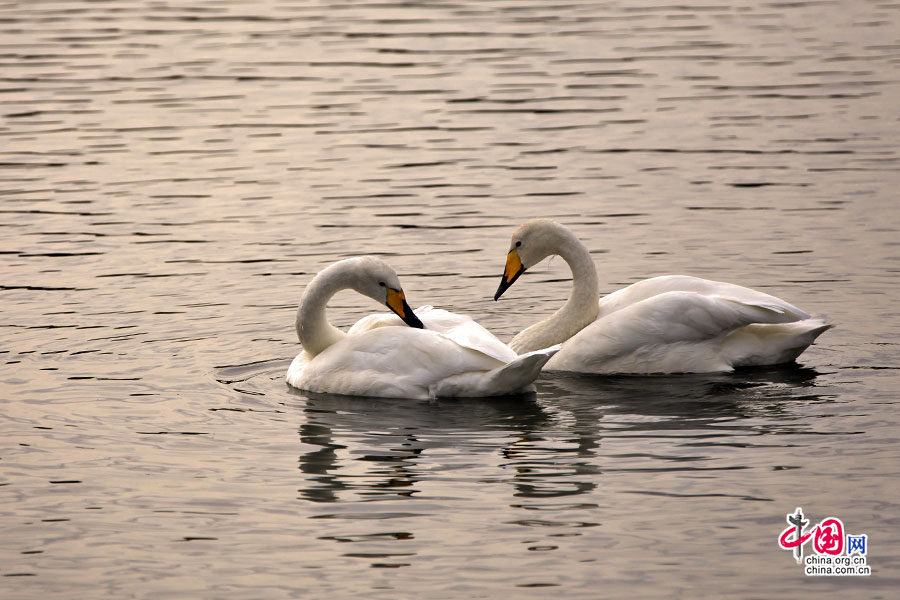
{"x": 173, "y": 176}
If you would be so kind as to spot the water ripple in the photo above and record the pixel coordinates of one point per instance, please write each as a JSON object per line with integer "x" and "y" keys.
{"x": 175, "y": 175}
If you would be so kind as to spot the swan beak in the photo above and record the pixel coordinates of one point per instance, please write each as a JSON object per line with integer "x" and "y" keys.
{"x": 514, "y": 268}
{"x": 396, "y": 301}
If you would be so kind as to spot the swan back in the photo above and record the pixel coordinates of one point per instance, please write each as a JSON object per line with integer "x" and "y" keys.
{"x": 654, "y": 286}
{"x": 686, "y": 332}
{"x": 404, "y": 362}
{"x": 461, "y": 329}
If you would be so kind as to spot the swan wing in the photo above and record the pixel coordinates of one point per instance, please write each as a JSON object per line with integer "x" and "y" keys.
{"x": 683, "y": 316}
{"x": 374, "y": 321}
{"x": 655, "y": 286}
{"x": 458, "y": 328}
{"x": 675, "y": 331}
{"x": 467, "y": 333}
{"x": 514, "y": 377}
{"x": 390, "y": 362}
{"x": 771, "y": 344}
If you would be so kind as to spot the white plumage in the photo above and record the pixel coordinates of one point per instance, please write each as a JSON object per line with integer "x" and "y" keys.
{"x": 667, "y": 324}
{"x": 381, "y": 356}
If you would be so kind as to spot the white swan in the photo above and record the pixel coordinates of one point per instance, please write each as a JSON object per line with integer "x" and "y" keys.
{"x": 379, "y": 356}
{"x": 668, "y": 324}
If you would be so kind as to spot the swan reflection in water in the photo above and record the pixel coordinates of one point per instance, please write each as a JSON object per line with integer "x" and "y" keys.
{"x": 374, "y": 447}
{"x": 756, "y": 391}
{"x": 543, "y": 445}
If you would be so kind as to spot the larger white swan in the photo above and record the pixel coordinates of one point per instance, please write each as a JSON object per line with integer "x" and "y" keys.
{"x": 440, "y": 354}
{"x": 667, "y": 324}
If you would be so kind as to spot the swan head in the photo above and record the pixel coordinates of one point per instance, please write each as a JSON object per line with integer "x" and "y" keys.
{"x": 531, "y": 243}
{"x": 374, "y": 278}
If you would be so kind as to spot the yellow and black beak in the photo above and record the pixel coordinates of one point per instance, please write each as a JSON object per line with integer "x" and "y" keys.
{"x": 396, "y": 301}
{"x": 514, "y": 268}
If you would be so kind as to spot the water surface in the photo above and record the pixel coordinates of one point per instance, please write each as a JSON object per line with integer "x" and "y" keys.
{"x": 173, "y": 176}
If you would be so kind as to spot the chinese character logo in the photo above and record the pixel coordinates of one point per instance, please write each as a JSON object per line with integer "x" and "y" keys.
{"x": 856, "y": 544}
{"x": 829, "y": 537}
{"x": 795, "y": 542}
{"x": 834, "y": 553}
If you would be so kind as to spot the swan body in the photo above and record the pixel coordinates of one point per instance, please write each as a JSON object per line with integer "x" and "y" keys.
{"x": 667, "y": 324}
{"x": 441, "y": 354}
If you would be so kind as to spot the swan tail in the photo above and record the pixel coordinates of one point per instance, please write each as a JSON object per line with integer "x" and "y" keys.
{"x": 772, "y": 343}
{"x": 512, "y": 378}
{"x": 524, "y": 369}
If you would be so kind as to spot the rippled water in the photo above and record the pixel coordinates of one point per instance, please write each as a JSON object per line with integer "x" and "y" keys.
{"x": 173, "y": 176}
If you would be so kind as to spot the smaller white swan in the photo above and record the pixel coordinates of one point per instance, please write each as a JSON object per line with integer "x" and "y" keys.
{"x": 667, "y": 324}
{"x": 440, "y": 354}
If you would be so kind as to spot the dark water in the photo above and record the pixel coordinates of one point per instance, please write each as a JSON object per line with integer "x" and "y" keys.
{"x": 172, "y": 177}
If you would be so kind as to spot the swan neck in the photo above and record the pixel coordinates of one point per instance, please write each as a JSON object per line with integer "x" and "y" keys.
{"x": 313, "y": 329}
{"x": 580, "y": 309}
{"x": 585, "y": 285}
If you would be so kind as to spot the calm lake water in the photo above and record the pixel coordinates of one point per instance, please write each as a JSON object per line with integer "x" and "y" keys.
{"x": 173, "y": 176}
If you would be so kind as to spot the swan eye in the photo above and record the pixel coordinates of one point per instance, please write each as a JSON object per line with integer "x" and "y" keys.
{"x": 519, "y": 243}
{"x": 381, "y": 283}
